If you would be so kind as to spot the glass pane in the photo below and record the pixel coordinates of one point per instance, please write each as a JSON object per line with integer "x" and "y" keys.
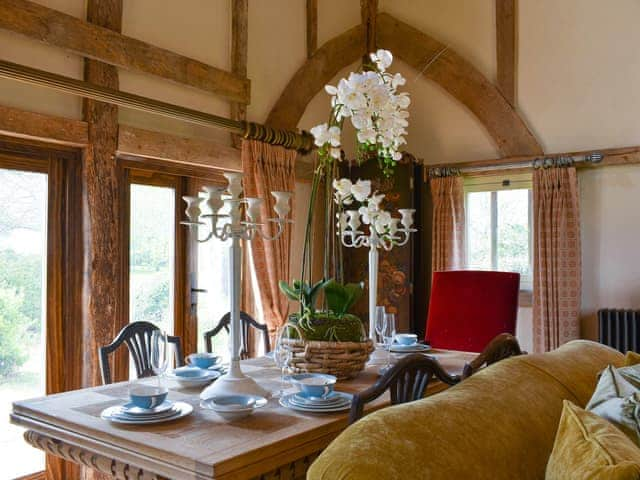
{"x": 478, "y": 211}
{"x": 513, "y": 231}
{"x": 213, "y": 276}
{"x": 23, "y": 247}
{"x": 151, "y": 253}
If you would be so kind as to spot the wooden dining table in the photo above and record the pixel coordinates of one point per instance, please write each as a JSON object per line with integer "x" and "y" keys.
{"x": 273, "y": 443}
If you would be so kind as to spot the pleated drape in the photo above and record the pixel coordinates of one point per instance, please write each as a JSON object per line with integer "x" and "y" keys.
{"x": 557, "y": 260}
{"x": 448, "y": 223}
{"x": 269, "y": 168}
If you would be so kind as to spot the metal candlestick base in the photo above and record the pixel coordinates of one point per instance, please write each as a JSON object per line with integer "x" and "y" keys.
{"x": 234, "y": 383}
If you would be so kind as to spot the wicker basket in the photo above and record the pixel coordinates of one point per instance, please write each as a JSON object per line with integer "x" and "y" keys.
{"x": 342, "y": 359}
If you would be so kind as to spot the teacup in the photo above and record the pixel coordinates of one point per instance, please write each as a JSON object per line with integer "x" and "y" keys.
{"x": 202, "y": 360}
{"x": 407, "y": 338}
{"x": 148, "y": 397}
{"x": 318, "y": 385}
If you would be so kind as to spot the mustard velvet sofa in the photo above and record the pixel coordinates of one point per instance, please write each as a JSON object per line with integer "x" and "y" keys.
{"x": 499, "y": 424}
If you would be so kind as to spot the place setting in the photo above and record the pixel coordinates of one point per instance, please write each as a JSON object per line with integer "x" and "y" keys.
{"x": 201, "y": 370}
{"x": 315, "y": 394}
{"x": 147, "y": 405}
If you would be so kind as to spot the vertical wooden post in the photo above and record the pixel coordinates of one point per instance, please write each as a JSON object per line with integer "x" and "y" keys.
{"x": 239, "y": 41}
{"x": 312, "y": 27}
{"x": 102, "y": 189}
{"x": 506, "y": 48}
{"x": 369, "y": 13}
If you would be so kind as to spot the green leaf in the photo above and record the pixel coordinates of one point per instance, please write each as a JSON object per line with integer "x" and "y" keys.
{"x": 291, "y": 293}
{"x": 340, "y": 298}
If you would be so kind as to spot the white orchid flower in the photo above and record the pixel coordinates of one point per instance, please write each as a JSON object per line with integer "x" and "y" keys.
{"x": 342, "y": 189}
{"x": 331, "y": 90}
{"x": 333, "y": 136}
{"x": 375, "y": 201}
{"x": 320, "y": 134}
{"x": 397, "y": 156}
{"x": 397, "y": 80}
{"x": 365, "y": 214}
{"x": 367, "y": 135}
{"x": 335, "y": 152}
{"x": 382, "y": 221}
{"x": 361, "y": 190}
{"x": 382, "y": 58}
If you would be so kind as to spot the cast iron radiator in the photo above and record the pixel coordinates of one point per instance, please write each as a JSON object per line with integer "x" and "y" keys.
{"x": 620, "y": 329}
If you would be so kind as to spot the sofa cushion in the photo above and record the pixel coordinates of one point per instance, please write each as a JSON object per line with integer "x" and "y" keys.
{"x": 588, "y": 446}
{"x": 498, "y": 424}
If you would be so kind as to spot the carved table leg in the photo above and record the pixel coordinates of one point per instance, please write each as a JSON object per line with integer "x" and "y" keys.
{"x": 95, "y": 461}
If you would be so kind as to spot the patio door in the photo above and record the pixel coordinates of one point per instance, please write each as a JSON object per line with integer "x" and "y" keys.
{"x": 34, "y": 211}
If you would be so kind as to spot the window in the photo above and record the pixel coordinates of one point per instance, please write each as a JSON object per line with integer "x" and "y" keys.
{"x": 23, "y": 254}
{"x": 151, "y": 255}
{"x": 499, "y": 225}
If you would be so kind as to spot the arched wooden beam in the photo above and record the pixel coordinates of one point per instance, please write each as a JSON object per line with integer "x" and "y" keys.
{"x": 317, "y": 71}
{"x": 452, "y": 72}
{"x": 463, "y": 81}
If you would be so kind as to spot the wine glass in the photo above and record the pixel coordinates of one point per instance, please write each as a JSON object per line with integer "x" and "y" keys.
{"x": 389, "y": 334}
{"x": 381, "y": 322}
{"x": 282, "y": 355}
{"x": 159, "y": 354}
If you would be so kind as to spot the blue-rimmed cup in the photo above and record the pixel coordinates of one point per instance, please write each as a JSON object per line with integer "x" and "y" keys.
{"x": 407, "y": 338}
{"x": 202, "y": 360}
{"x": 317, "y": 385}
{"x": 148, "y": 397}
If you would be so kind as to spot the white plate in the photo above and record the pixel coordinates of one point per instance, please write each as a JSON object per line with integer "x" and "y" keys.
{"x": 156, "y": 416}
{"x": 286, "y": 402}
{"x": 181, "y": 410}
{"x": 418, "y": 347}
{"x": 209, "y": 405}
{"x": 131, "y": 409}
{"x": 312, "y": 402}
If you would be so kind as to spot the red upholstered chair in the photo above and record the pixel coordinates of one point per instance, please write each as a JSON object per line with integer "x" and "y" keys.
{"x": 469, "y": 308}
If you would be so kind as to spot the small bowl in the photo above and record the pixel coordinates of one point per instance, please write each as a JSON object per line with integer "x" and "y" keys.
{"x": 407, "y": 338}
{"x": 148, "y": 397}
{"x": 234, "y": 407}
{"x": 202, "y": 360}
{"x": 314, "y": 385}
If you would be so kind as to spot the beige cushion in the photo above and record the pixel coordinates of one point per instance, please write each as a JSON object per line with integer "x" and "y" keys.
{"x": 589, "y": 447}
{"x": 617, "y": 400}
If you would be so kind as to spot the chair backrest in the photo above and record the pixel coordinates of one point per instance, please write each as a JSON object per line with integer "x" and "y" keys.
{"x": 407, "y": 381}
{"x": 503, "y": 346}
{"x": 246, "y": 322}
{"x": 469, "y": 308}
{"x": 137, "y": 337}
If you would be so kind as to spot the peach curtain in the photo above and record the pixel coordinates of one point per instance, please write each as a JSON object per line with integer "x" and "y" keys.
{"x": 448, "y": 223}
{"x": 557, "y": 261}
{"x": 269, "y": 168}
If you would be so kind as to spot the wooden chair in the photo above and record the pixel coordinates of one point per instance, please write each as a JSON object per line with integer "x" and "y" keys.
{"x": 246, "y": 322}
{"x": 137, "y": 337}
{"x": 503, "y": 346}
{"x": 408, "y": 379}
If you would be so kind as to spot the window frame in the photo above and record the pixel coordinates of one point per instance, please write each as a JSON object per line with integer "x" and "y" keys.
{"x": 495, "y": 184}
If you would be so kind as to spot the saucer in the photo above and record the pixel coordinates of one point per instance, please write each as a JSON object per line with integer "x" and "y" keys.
{"x": 416, "y": 347}
{"x": 131, "y": 409}
{"x": 114, "y": 414}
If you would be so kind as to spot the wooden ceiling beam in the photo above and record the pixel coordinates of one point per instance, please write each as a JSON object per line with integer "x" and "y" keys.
{"x": 19, "y": 123}
{"x": 506, "y": 48}
{"x": 312, "y": 27}
{"x": 239, "y": 51}
{"x": 93, "y": 41}
{"x": 369, "y": 14}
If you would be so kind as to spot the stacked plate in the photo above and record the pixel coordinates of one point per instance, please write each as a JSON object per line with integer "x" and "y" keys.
{"x": 133, "y": 415}
{"x": 190, "y": 377}
{"x": 414, "y": 348}
{"x": 334, "y": 402}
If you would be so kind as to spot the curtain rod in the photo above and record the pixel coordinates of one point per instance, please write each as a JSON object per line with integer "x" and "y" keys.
{"x": 302, "y": 142}
{"x": 544, "y": 162}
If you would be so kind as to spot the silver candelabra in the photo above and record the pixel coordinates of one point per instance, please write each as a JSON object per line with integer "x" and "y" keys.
{"x": 227, "y": 221}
